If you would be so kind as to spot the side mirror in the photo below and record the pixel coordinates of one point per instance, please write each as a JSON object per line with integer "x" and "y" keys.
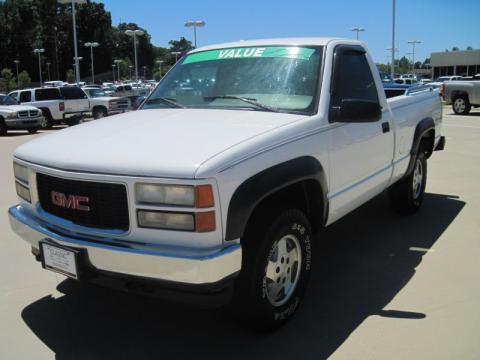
{"x": 356, "y": 111}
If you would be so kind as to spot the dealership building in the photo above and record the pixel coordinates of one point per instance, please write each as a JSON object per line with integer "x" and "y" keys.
{"x": 465, "y": 63}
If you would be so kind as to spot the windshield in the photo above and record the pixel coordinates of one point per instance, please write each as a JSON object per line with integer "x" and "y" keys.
{"x": 7, "y": 100}
{"x": 283, "y": 79}
{"x": 96, "y": 92}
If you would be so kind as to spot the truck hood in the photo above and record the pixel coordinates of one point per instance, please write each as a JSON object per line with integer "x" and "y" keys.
{"x": 159, "y": 142}
{"x": 13, "y": 108}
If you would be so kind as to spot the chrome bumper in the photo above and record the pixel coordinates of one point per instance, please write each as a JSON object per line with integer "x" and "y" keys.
{"x": 133, "y": 261}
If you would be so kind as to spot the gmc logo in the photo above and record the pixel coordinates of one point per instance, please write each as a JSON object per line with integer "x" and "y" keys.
{"x": 74, "y": 202}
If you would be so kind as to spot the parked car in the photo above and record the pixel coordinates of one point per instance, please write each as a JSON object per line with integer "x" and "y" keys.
{"x": 440, "y": 80}
{"x": 462, "y": 94}
{"x": 64, "y": 104}
{"x": 102, "y": 105}
{"x": 19, "y": 117}
{"x": 405, "y": 81}
{"x": 209, "y": 194}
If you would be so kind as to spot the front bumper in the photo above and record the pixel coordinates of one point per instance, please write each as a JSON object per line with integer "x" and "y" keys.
{"x": 125, "y": 260}
{"x": 27, "y": 123}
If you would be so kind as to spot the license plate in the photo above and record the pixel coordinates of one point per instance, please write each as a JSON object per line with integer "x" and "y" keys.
{"x": 59, "y": 259}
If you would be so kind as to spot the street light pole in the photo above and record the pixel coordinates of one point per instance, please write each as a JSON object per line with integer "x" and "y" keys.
{"x": 130, "y": 67}
{"x": 48, "y": 70}
{"x": 77, "y": 64}
{"x": 176, "y": 53}
{"x": 117, "y": 62}
{"x": 392, "y": 65}
{"x": 392, "y": 70}
{"x": 357, "y": 30}
{"x": 16, "y": 66}
{"x": 39, "y": 51}
{"x": 135, "y": 33}
{"x": 91, "y": 45}
{"x": 195, "y": 24}
{"x": 113, "y": 71}
{"x": 144, "y": 72}
{"x": 413, "y": 43}
{"x": 160, "y": 62}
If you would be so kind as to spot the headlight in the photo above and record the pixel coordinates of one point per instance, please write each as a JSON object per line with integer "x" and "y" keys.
{"x": 12, "y": 115}
{"x": 166, "y": 220}
{"x": 20, "y": 172}
{"x": 159, "y": 194}
{"x": 23, "y": 192}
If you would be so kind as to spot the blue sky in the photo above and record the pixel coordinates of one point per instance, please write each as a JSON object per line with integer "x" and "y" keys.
{"x": 439, "y": 24}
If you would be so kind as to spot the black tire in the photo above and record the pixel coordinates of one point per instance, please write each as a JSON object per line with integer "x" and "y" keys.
{"x": 461, "y": 105}
{"x": 99, "y": 112}
{"x": 32, "y": 131}
{"x": 253, "y": 290}
{"x": 74, "y": 120}
{"x": 48, "y": 117}
{"x": 403, "y": 198}
{"x": 3, "y": 127}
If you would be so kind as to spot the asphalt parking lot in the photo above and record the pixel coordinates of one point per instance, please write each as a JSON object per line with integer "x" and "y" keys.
{"x": 383, "y": 286}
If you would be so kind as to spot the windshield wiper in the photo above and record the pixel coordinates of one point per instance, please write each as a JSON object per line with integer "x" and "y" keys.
{"x": 244, "y": 99}
{"x": 169, "y": 101}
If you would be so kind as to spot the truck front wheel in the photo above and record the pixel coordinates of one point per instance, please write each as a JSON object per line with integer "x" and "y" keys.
{"x": 406, "y": 195}
{"x": 461, "y": 105}
{"x": 276, "y": 267}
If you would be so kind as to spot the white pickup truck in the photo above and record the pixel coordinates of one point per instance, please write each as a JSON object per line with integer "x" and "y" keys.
{"x": 64, "y": 104}
{"x": 18, "y": 117}
{"x": 102, "y": 104}
{"x": 214, "y": 189}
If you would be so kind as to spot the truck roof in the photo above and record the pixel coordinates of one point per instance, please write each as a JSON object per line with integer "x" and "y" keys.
{"x": 301, "y": 41}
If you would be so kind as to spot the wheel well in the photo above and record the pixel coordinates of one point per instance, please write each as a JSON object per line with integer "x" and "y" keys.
{"x": 427, "y": 143}
{"x": 99, "y": 107}
{"x": 305, "y": 195}
{"x": 46, "y": 112}
{"x": 457, "y": 94}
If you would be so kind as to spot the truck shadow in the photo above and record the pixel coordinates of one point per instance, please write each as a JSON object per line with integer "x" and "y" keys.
{"x": 363, "y": 261}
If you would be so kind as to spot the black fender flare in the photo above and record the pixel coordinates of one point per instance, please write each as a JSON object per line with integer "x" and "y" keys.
{"x": 423, "y": 127}
{"x": 256, "y": 188}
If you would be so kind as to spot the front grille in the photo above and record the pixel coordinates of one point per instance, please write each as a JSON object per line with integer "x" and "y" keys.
{"x": 107, "y": 202}
{"x": 28, "y": 113}
{"x": 120, "y": 104}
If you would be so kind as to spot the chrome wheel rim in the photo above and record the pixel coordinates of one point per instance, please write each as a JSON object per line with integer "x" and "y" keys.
{"x": 283, "y": 270}
{"x": 417, "y": 179}
{"x": 459, "y": 105}
{"x": 43, "y": 124}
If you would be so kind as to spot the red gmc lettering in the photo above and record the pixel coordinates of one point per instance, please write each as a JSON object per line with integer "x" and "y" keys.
{"x": 74, "y": 202}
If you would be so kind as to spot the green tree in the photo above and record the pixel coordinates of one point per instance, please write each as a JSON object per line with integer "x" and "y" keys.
{"x": 455, "y": 48}
{"x": 469, "y": 48}
{"x": 24, "y": 79}
{"x": 7, "y": 81}
{"x": 70, "y": 76}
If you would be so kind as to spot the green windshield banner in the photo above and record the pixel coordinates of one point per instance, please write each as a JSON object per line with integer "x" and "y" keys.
{"x": 251, "y": 52}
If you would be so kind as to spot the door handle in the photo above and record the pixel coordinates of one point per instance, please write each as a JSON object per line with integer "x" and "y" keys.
{"x": 385, "y": 127}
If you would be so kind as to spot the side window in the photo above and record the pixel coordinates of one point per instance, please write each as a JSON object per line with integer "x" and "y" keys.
{"x": 14, "y": 95}
{"x": 354, "y": 79}
{"x": 128, "y": 88}
{"x": 25, "y": 96}
{"x": 73, "y": 93}
{"x": 47, "y": 94}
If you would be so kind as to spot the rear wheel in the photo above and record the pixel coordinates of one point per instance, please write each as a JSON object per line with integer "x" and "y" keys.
{"x": 75, "y": 120}
{"x": 406, "y": 196}
{"x": 461, "y": 105}
{"x": 275, "y": 269}
{"x": 48, "y": 119}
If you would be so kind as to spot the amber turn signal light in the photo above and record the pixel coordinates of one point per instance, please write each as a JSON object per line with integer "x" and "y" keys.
{"x": 204, "y": 196}
{"x": 205, "y": 221}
